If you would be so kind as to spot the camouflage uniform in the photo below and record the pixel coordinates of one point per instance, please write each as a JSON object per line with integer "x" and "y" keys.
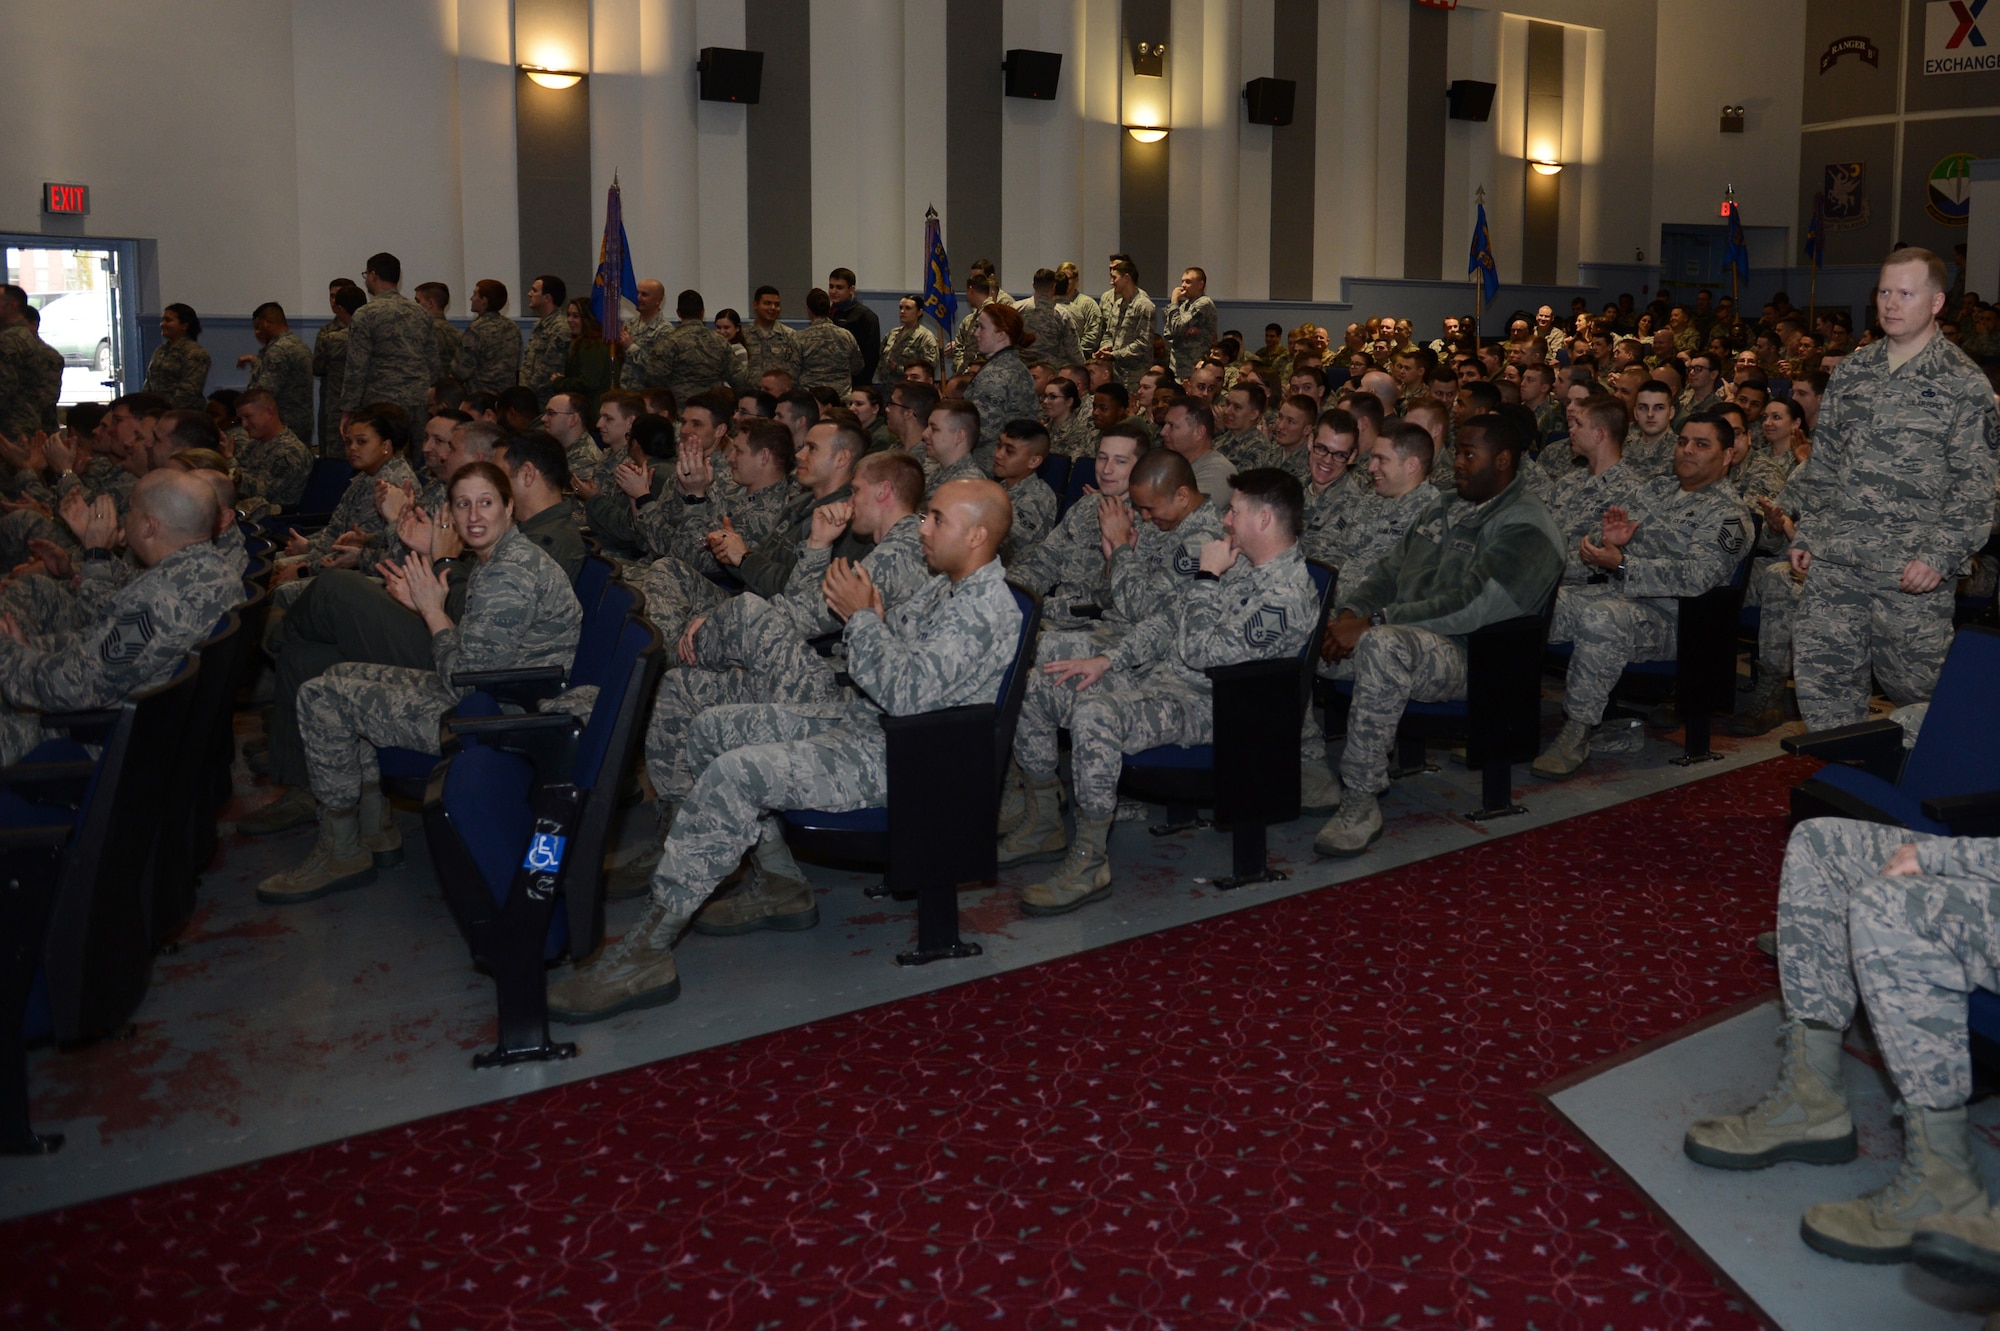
{"x": 905, "y": 347}
{"x": 756, "y": 651}
{"x": 329, "y": 366}
{"x": 46, "y": 381}
{"x": 104, "y": 476}
{"x": 392, "y": 356}
{"x": 489, "y": 354}
{"x": 948, "y": 645}
{"x": 1055, "y": 341}
{"x": 285, "y": 371}
{"x": 1912, "y": 947}
{"x": 1128, "y": 331}
{"x": 966, "y": 468}
{"x": 776, "y": 348}
{"x": 546, "y": 357}
{"x": 671, "y": 526}
{"x": 1687, "y": 404}
{"x": 1248, "y": 448}
{"x": 20, "y": 414}
{"x": 828, "y": 357}
{"x": 1034, "y": 514}
{"x": 1156, "y": 691}
{"x": 179, "y": 373}
{"x": 519, "y": 612}
{"x": 1460, "y": 567}
{"x": 1577, "y": 503}
{"x": 1370, "y": 527}
{"x": 965, "y": 348}
{"x": 1089, "y": 321}
{"x": 1144, "y": 581}
{"x": 645, "y": 335}
{"x": 450, "y": 341}
{"x": 1688, "y": 542}
{"x": 1074, "y": 438}
{"x": 1902, "y": 468}
{"x": 1323, "y": 535}
{"x": 1003, "y": 390}
{"x": 1651, "y": 458}
{"x": 1066, "y": 567}
{"x": 136, "y": 639}
{"x": 690, "y": 359}
{"x": 274, "y": 469}
{"x": 1192, "y": 327}
{"x": 1759, "y": 476}
{"x": 356, "y": 509}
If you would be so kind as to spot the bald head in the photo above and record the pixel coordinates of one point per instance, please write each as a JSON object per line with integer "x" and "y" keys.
{"x": 171, "y": 509}
{"x": 1382, "y": 385}
{"x": 1164, "y": 471}
{"x": 224, "y": 491}
{"x": 966, "y": 524}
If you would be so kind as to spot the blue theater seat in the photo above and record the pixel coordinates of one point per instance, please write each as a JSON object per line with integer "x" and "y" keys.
{"x": 1250, "y": 775}
{"x": 936, "y": 831}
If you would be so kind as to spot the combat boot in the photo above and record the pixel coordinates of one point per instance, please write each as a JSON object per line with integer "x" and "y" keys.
{"x": 295, "y": 808}
{"x": 1039, "y": 838}
{"x": 379, "y": 836}
{"x": 1938, "y": 1178}
{"x": 338, "y": 861}
{"x": 1961, "y": 1248}
{"x": 775, "y": 895}
{"x": 1354, "y": 827}
{"x": 1764, "y": 710}
{"x": 1804, "y": 1117}
{"x": 635, "y": 972}
{"x": 1083, "y": 877}
{"x": 1013, "y": 799}
{"x": 634, "y": 876}
{"x": 1565, "y": 754}
{"x": 1319, "y": 788}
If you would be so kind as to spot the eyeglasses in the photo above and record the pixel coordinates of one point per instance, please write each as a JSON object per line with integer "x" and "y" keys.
{"x": 1322, "y": 451}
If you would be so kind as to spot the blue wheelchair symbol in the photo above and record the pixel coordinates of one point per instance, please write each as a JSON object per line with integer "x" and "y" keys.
{"x": 545, "y": 853}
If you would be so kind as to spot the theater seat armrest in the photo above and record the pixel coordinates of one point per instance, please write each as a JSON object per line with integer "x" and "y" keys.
{"x": 52, "y": 836}
{"x": 486, "y": 727}
{"x": 1967, "y": 815}
{"x": 1255, "y": 674}
{"x": 949, "y": 718}
{"x": 103, "y": 716}
{"x": 549, "y": 742}
{"x": 1874, "y": 746}
{"x": 523, "y": 687}
{"x": 42, "y": 774}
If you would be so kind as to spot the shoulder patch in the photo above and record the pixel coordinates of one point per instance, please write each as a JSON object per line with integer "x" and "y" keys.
{"x": 1187, "y": 561}
{"x": 1266, "y": 627}
{"x": 1732, "y": 536}
{"x": 130, "y": 633}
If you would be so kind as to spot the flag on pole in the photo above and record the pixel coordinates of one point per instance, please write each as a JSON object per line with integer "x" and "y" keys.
{"x": 1816, "y": 232}
{"x": 1737, "y": 254}
{"x": 616, "y": 284}
{"x": 940, "y": 301}
{"x": 1481, "y": 261}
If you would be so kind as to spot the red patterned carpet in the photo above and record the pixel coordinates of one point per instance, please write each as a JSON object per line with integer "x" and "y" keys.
{"x": 1317, "y": 1112}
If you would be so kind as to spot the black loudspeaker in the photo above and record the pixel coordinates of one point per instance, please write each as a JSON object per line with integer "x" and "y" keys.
{"x": 1270, "y": 100}
{"x": 1470, "y": 99}
{"x": 729, "y": 75}
{"x": 1033, "y": 74}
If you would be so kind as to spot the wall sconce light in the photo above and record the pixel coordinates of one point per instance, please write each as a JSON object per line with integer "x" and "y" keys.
{"x": 557, "y": 79}
{"x": 1546, "y": 168}
{"x": 1732, "y": 120}
{"x": 1146, "y": 133}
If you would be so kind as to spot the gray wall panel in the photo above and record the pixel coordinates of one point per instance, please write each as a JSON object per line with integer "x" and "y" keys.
{"x": 1423, "y": 182}
{"x": 1294, "y": 148}
{"x": 972, "y": 127}
{"x": 778, "y": 143}
{"x": 552, "y": 164}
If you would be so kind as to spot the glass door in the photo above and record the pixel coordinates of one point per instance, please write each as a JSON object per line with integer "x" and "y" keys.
{"x": 81, "y": 298}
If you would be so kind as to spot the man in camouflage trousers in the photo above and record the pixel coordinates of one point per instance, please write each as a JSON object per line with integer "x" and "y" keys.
{"x": 392, "y": 350}
{"x": 141, "y": 633}
{"x": 272, "y": 462}
{"x": 1192, "y": 324}
{"x": 489, "y": 354}
{"x": 1024, "y": 446}
{"x": 1896, "y": 499}
{"x": 1068, "y": 567}
{"x": 1908, "y": 923}
{"x": 771, "y": 345}
{"x": 1485, "y": 553}
{"x": 329, "y": 365}
{"x": 1685, "y": 537}
{"x": 909, "y": 343}
{"x": 1127, "y": 324}
{"x": 692, "y": 358}
{"x": 1055, "y": 341}
{"x": 1251, "y": 599}
{"x": 947, "y": 646}
{"x": 641, "y": 332}
{"x": 435, "y": 300}
{"x": 546, "y": 356}
{"x": 829, "y": 357}
{"x": 20, "y": 370}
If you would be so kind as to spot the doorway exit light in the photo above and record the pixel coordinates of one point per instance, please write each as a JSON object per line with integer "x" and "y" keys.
{"x": 74, "y": 199}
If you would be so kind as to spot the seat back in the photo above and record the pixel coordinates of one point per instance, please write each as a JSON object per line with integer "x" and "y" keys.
{"x": 324, "y": 485}
{"x": 1958, "y": 750}
{"x": 1054, "y": 472}
{"x": 1082, "y": 472}
{"x": 187, "y": 801}
{"x": 596, "y": 647}
{"x": 1324, "y": 581}
{"x": 604, "y": 753}
{"x": 591, "y": 580}
{"x": 99, "y": 954}
{"x": 1014, "y": 684}
{"x": 1503, "y": 696}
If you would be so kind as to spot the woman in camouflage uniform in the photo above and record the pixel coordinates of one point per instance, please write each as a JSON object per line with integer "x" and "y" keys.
{"x": 520, "y": 612}
{"x": 1003, "y": 390}
{"x": 179, "y": 369}
{"x": 1070, "y": 433}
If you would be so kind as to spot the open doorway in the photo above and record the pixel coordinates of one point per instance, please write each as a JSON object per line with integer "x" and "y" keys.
{"x": 83, "y": 296}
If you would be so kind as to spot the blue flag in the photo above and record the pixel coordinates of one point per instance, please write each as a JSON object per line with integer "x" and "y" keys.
{"x": 1481, "y": 261}
{"x": 615, "y": 279}
{"x": 1816, "y": 232}
{"x": 940, "y": 301}
{"x": 1736, "y": 254}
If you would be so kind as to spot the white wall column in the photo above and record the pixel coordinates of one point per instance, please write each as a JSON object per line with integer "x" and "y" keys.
{"x": 923, "y": 139}
{"x": 1392, "y": 129}
{"x": 723, "y": 170}
{"x": 489, "y": 215}
{"x": 1331, "y": 149}
{"x": 1041, "y": 218}
{"x": 1253, "y": 159}
{"x": 857, "y": 140}
{"x": 1096, "y": 29}
{"x": 1468, "y": 144}
{"x": 1505, "y": 195}
{"x": 1358, "y": 134}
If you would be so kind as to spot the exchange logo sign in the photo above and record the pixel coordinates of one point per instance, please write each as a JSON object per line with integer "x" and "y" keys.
{"x": 1953, "y": 40}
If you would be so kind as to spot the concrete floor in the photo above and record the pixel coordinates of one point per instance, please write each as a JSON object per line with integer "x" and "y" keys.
{"x": 271, "y": 1029}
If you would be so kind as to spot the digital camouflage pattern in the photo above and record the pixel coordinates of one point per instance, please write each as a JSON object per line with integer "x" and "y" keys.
{"x": 179, "y": 373}
{"x": 392, "y": 356}
{"x": 285, "y": 370}
{"x": 489, "y": 354}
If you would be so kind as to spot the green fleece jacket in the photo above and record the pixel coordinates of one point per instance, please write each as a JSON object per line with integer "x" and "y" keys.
{"x": 1463, "y": 566}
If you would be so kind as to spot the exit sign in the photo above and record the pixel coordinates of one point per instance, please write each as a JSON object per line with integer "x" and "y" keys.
{"x": 66, "y": 199}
